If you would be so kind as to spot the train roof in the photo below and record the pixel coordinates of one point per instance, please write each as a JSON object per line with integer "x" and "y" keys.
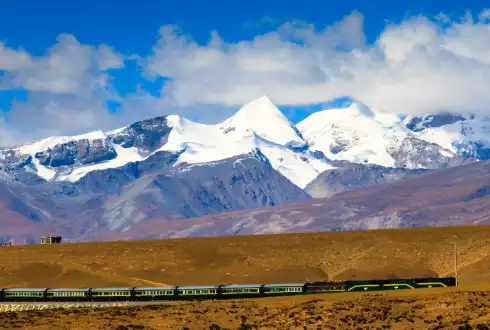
{"x": 154, "y": 288}
{"x": 280, "y": 285}
{"x": 198, "y": 287}
{"x": 242, "y": 286}
{"x": 24, "y": 289}
{"x": 112, "y": 289}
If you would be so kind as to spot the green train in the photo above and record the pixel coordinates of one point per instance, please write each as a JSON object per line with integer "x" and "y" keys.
{"x": 217, "y": 291}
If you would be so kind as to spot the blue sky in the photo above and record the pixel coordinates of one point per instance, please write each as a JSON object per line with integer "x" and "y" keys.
{"x": 147, "y": 77}
{"x": 132, "y": 26}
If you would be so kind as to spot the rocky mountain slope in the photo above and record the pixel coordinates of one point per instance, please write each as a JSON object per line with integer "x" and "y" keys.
{"x": 116, "y": 199}
{"x": 464, "y": 135}
{"x": 453, "y": 196}
{"x": 355, "y": 176}
{"x": 171, "y": 168}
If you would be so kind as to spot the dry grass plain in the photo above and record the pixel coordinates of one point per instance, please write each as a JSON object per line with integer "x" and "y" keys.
{"x": 263, "y": 259}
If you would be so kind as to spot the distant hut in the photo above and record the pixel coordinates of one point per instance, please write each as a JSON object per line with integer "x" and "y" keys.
{"x": 50, "y": 239}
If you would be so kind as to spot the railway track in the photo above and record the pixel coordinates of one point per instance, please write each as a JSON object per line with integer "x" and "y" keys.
{"x": 6, "y": 307}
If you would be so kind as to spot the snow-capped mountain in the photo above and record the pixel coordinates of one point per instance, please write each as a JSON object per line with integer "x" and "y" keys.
{"x": 465, "y": 135}
{"x": 69, "y": 158}
{"x": 258, "y": 125}
{"x": 360, "y": 134}
{"x": 172, "y": 168}
{"x": 356, "y": 134}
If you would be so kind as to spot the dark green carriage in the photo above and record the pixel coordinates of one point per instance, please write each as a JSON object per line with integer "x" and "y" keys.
{"x": 110, "y": 294}
{"x": 154, "y": 293}
{"x": 197, "y": 292}
{"x": 240, "y": 291}
{"x": 24, "y": 294}
{"x": 283, "y": 289}
{"x": 68, "y": 294}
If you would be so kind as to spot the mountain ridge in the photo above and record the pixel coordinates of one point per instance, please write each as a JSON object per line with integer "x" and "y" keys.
{"x": 174, "y": 169}
{"x": 357, "y": 134}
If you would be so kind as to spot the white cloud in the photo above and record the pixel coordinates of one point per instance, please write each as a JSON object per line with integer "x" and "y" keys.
{"x": 484, "y": 15}
{"x": 67, "y": 68}
{"x": 107, "y": 58}
{"x": 13, "y": 59}
{"x": 417, "y": 66}
{"x": 67, "y": 87}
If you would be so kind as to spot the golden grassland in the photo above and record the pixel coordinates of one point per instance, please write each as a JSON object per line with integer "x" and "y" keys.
{"x": 253, "y": 259}
{"x": 301, "y": 257}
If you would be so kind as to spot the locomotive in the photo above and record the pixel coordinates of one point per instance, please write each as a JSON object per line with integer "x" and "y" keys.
{"x": 216, "y": 291}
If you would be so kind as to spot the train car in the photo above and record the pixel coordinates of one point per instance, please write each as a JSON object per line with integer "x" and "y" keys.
{"x": 67, "y": 294}
{"x": 398, "y": 284}
{"x": 107, "y": 294}
{"x": 434, "y": 282}
{"x": 363, "y": 286}
{"x": 24, "y": 294}
{"x": 380, "y": 285}
{"x": 240, "y": 291}
{"x": 326, "y": 287}
{"x": 197, "y": 292}
{"x": 283, "y": 289}
{"x": 155, "y": 293}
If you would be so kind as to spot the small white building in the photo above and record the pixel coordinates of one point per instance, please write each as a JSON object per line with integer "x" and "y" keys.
{"x": 51, "y": 239}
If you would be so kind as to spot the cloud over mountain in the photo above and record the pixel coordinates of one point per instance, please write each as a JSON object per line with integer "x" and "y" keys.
{"x": 420, "y": 65}
{"x": 416, "y": 66}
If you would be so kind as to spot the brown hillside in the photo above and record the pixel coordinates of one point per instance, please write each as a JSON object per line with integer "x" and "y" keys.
{"x": 302, "y": 257}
